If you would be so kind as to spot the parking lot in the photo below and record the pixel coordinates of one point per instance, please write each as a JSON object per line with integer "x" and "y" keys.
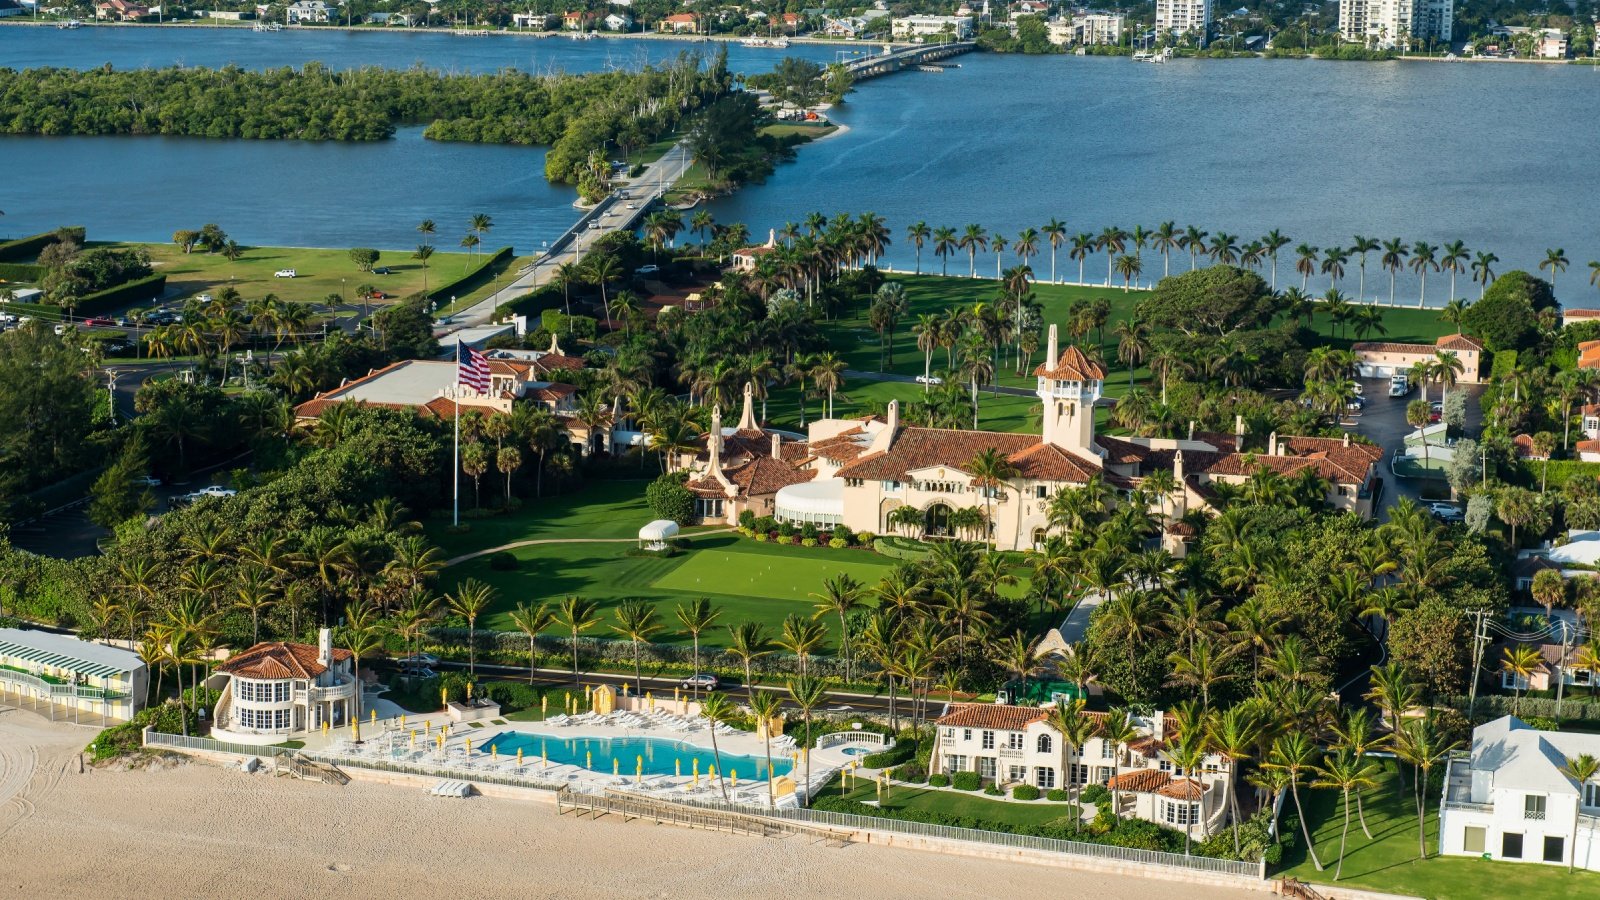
{"x": 1383, "y": 421}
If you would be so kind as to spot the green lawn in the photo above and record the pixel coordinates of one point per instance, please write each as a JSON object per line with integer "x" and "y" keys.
{"x": 604, "y": 508}
{"x": 319, "y": 272}
{"x": 961, "y": 803}
{"x": 996, "y": 412}
{"x": 771, "y": 573}
{"x": 1389, "y": 861}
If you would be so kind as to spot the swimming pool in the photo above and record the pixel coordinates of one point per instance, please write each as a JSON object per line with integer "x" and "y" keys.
{"x": 661, "y": 756}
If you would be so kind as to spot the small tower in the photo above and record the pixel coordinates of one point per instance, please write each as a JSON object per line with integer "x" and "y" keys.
{"x": 1069, "y": 386}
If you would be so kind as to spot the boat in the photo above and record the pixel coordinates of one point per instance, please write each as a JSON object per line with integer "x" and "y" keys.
{"x": 777, "y": 43}
{"x": 476, "y": 32}
{"x": 70, "y": 23}
{"x": 1144, "y": 56}
{"x": 583, "y": 35}
{"x": 266, "y": 26}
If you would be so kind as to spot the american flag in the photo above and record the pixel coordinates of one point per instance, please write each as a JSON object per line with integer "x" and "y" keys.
{"x": 473, "y": 371}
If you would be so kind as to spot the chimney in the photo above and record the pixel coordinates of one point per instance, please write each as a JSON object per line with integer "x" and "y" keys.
{"x": 555, "y": 345}
{"x": 325, "y": 646}
{"x": 1191, "y": 429}
{"x": 1054, "y": 352}
{"x": 772, "y": 237}
{"x": 777, "y": 446}
{"x": 884, "y": 439}
{"x": 1177, "y": 474}
{"x": 1347, "y": 438}
{"x": 1272, "y": 444}
{"x": 714, "y": 443}
{"x": 1238, "y": 433}
{"x": 747, "y": 418}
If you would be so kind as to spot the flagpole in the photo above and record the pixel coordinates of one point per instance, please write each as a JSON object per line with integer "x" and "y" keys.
{"x": 455, "y": 468}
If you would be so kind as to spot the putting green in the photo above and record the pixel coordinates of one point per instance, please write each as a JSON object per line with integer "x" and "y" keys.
{"x": 769, "y": 575}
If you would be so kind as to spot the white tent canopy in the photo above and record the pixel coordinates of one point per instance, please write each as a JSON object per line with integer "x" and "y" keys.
{"x": 818, "y": 502}
{"x": 654, "y": 535}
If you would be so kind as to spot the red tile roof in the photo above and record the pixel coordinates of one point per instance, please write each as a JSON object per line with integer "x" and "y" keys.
{"x": 992, "y": 716}
{"x": 1588, "y": 446}
{"x": 1072, "y": 366}
{"x": 1459, "y": 341}
{"x": 921, "y": 448}
{"x": 1140, "y": 781}
{"x": 1182, "y": 789}
{"x": 279, "y": 660}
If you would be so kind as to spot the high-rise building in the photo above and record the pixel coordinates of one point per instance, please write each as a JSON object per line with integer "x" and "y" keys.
{"x": 1183, "y": 16}
{"x": 1382, "y": 24}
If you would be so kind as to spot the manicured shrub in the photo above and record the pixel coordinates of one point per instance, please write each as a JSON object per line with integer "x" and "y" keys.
{"x": 865, "y": 538}
{"x": 747, "y": 519}
{"x": 761, "y": 537}
{"x": 911, "y": 771}
{"x": 503, "y": 562}
{"x": 1094, "y": 793}
{"x": 1024, "y": 792}
{"x": 903, "y": 750}
{"x": 1057, "y": 795}
{"x": 838, "y": 543}
{"x": 765, "y": 524}
{"x": 669, "y": 499}
{"x": 808, "y": 542}
{"x": 808, "y": 530}
{"x": 841, "y": 533}
{"x": 993, "y": 790}
{"x": 785, "y": 529}
{"x": 967, "y": 781}
{"x": 938, "y": 781}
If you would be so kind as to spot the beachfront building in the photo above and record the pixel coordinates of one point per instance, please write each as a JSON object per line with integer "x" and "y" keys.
{"x": 916, "y": 28}
{"x": 1183, "y": 17}
{"x": 1011, "y": 745}
{"x": 1510, "y": 800}
{"x": 1099, "y": 28}
{"x": 1382, "y": 359}
{"x": 1387, "y": 24}
{"x": 120, "y": 11}
{"x": 1552, "y": 44}
{"x": 863, "y": 473}
{"x": 74, "y": 676}
{"x": 745, "y": 259}
{"x": 276, "y": 689}
{"x": 678, "y": 23}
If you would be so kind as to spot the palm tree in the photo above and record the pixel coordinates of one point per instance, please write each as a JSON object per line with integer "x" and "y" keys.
{"x": 748, "y": 642}
{"x": 1293, "y": 754}
{"x": 945, "y": 243}
{"x": 765, "y": 708}
{"x": 1419, "y": 415}
{"x": 423, "y": 253}
{"x": 1393, "y": 259}
{"x": 1420, "y": 744}
{"x": 636, "y": 621}
{"x": 1345, "y": 772}
{"x": 1453, "y": 258}
{"x": 1128, "y": 267}
{"x": 1118, "y": 731}
{"x": 1075, "y": 729}
{"x": 1581, "y": 769}
{"x": 1111, "y": 241}
{"x": 531, "y": 621}
{"x": 362, "y": 635}
{"x": 577, "y": 615}
{"x": 802, "y": 637}
{"x": 1422, "y": 259}
{"x": 918, "y": 234}
{"x": 717, "y": 708}
{"x": 604, "y": 269}
{"x": 1233, "y": 735}
{"x": 1133, "y": 343}
{"x": 990, "y": 471}
{"x": 1305, "y": 263}
{"x": 697, "y": 616}
{"x": 840, "y": 595}
{"x": 1554, "y": 262}
{"x": 1082, "y": 246}
{"x": 1194, "y": 240}
{"x": 471, "y": 600}
{"x": 1483, "y": 270}
{"x": 1189, "y": 755}
{"x": 806, "y": 694}
{"x": 1363, "y": 246}
{"x": 973, "y": 239}
{"x": 1520, "y": 661}
{"x": 1272, "y": 242}
{"x": 1056, "y": 232}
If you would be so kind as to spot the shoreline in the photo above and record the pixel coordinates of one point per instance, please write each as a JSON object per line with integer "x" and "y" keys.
{"x": 177, "y": 826}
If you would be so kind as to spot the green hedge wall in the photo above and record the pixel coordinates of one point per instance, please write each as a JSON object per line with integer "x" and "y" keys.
{"x": 533, "y": 304}
{"x": 11, "y": 271}
{"x": 472, "y": 279}
{"x": 136, "y": 291}
{"x": 29, "y": 247}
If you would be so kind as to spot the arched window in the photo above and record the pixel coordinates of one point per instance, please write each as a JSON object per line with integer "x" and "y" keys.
{"x": 1044, "y": 743}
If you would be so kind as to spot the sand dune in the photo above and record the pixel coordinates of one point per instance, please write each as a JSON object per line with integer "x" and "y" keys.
{"x": 197, "y": 830}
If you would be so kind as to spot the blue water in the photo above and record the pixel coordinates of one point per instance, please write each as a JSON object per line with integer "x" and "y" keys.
{"x": 661, "y": 756}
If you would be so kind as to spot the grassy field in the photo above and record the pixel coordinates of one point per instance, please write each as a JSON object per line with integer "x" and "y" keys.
{"x": 320, "y": 272}
{"x": 1389, "y": 861}
{"x": 996, "y": 412}
{"x": 609, "y": 508}
{"x": 779, "y": 575}
{"x": 960, "y": 803}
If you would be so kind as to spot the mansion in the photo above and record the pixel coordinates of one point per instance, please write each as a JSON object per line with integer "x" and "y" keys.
{"x": 277, "y": 689}
{"x": 1011, "y": 745}
{"x": 858, "y": 472}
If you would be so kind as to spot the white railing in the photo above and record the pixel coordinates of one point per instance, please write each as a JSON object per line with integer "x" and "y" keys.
{"x": 52, "y": 690}
{"x": 837, "y": 738}
{"x": 1254, "y": 871}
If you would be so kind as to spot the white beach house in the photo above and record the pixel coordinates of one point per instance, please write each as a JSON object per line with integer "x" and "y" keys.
{"x": 1012, "y": 745}
{"x": 75, "y": 676}
{"x": 276, "y": 689}
{"x": 1510, "y": 800}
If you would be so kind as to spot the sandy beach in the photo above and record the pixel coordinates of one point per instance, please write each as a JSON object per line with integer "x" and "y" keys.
{"x": 195, "y": 830}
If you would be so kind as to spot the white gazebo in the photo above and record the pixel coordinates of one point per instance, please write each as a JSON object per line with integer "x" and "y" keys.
{"x": 654, "y": 535}
{"x": 819, "y": 502}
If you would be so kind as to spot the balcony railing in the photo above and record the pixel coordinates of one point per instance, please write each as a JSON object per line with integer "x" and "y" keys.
{"x": 56, "y": 691}
{"x": 1533, "y": 815}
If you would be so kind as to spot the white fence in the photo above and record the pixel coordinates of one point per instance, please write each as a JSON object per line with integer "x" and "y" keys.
{"x": 1249, "y": 870}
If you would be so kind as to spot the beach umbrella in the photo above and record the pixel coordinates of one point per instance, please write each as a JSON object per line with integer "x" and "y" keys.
{"x": 494, "y": 753}
{"x": 355, "y": 730}
{"x": 469, "y": 748}
{"x": 544, "y": 707}
{"x": 735, "y": 774}
{"x": 651, "y": 697}
{"x": 469, "y": 692}
{"x": 624, "y": 689}
{"x": 402, "y": 721}
{"x": 324, "y": 728}
{"x": 374, "y": 716}
{"x": 413, "y": 739}
{"x": 519, "y": 757}
{"x": 588, "y": 759}
{"x": 638, "y": 770}
{"x": 616, "y": 767}
{"x": 697, "y": 771}
{"x": 677, "y": 768}
{"x": 444, "y": 697}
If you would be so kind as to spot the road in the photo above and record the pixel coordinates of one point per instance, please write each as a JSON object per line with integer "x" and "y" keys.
{"x": 1383, "y": 421}
{"x": 612, "y": 214}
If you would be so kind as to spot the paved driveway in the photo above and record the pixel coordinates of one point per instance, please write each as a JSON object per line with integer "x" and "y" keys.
{"x": 1383, "y": 422}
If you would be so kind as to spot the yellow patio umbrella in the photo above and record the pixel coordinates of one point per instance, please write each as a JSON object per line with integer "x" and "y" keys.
{"x": 697, "y": 771}
{"x": 440, "y": 743}
{"x": 324, "y": 727}
{"x": 355, "y": 730}
{"x": 427, "y": 728}
{"x": 588, "y": 759}
{"x": 444, "y": 697}
{"x": 544, "y": 706}
{"x": 624, "y": 689}
{"x": 413, "y": 739}
{"x": 638, "y": 770}
{"x": 374, "y": 713}
{"x": 494, "y": 753}
{"x": 735, "y": 774}
{"x": 402, "y": 721}
{"x": 651, "y": 697}
{"x": 519, "y": 757}
{"x": 616, "y": 767}
{"x": 469, "y": 748}
{"x": 677, "y": 768}
{"x": 469, "y": 691}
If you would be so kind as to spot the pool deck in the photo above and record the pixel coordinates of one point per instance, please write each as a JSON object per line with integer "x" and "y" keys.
{"x": 413, "y": 740}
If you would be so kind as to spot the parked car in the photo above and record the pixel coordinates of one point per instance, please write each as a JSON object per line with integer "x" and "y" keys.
{"x": 61, "y": 329}
{"x": 382, "y": 270}
{"x": 377, "y": 295}
{"x": 647, "y": 270}
{"x": 1448, "y": 512}
{"x": 285, "y": 273}
{"x": 212, "y": 491}
{"x": 930, "y": 379}
{"x": 97, "y": 321}
{"x": 147, "y": 481}
{"x": 420, "y": 659}
{"x": 594, "y": 226}
{"x": 416, "y": 671}
{"x": 705, "y": 681}
{"x": 207, "y": 298}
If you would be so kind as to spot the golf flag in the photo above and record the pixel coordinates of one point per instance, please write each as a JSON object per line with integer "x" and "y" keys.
{"x": 474, "y": 371}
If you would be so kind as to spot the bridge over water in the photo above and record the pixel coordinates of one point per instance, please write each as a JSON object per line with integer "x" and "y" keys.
{"x": 905, "y": 58}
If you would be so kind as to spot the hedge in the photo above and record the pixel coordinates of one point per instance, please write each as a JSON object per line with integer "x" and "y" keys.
{"x": 138, "y": 290}
{"x": 472, "y": 280}
{"x": 29, "y": 247}
{"x": 902, "y": 548}
{"x": 966, "y": 781}
{"x": 10, "y": 271}
{"x": 903, "y": 750}
{"x": 533, "y": 304}
{"x": 1493, "y": 706}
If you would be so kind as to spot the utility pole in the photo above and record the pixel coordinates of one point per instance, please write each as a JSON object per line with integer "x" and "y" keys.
{"x": 1480, "y": 635}
{"x": 111, "y": 394}
{"x": 1561, "y": 668}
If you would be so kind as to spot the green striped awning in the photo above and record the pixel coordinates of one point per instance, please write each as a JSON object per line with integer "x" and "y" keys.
{"x": 37, "y": 656}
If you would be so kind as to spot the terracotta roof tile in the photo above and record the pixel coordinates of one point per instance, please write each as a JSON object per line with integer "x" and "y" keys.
{"x": 920, "y": 448}
{"x": 1140, "y": 781}
{"x": 1182, "y": 789}
{"x": 765, "y": 475}
{"x": 1392, "y": 347}
{"x": 1072, "y": 366}
{"x": 279, "y": 660}
{"x": 993, "y": 716}
{"x": 1459, "y": 341}
{"x": 1047, "y": 462}
{"x": 1588, "y": 446}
